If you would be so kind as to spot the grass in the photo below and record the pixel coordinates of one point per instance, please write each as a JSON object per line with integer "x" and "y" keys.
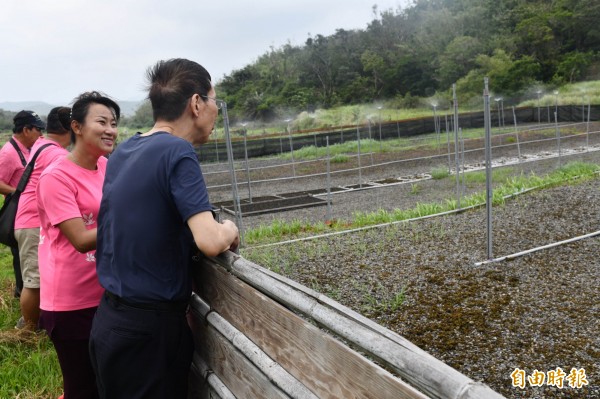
{"x": 280, "y": 230}
{"x": 440, "y": 172}
{"x": 340, "y": 152}
{"x": 479, "y": 176}
{"x": 575, "y": 93}
{"x": 340, "y": 158}
{"x": 28, "y": 363}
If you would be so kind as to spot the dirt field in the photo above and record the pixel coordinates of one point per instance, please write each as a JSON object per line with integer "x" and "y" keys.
{"x": 536, "y": 313}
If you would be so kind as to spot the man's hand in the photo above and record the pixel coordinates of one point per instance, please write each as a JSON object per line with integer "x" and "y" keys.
{"x": 212, "y": 237}
{"x": 236, "y": 242}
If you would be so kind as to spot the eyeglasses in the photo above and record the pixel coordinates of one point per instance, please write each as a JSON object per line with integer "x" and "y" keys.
{"x": 218, "y": 103}
{"x": 36, "y": 128}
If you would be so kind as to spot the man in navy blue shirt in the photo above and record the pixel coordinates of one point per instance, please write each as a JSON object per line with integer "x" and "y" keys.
{"x": 154, "y": 213}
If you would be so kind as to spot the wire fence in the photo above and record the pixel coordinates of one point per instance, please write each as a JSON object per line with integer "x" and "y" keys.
{"x": 502, "y": 120}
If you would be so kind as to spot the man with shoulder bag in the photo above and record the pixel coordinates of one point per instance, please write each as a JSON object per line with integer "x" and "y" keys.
{"x": 28, "y": 127}
{"x": 27, "y": 221}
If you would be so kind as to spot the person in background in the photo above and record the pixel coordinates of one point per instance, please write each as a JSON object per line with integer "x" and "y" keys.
{"x": 154, "y": 214}
{"x": 27, "y": 223}
{"x": 27, "y": 129}
{"x": 68, "y": 194}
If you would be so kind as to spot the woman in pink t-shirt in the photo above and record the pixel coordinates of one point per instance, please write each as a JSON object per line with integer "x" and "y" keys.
{"x": 69, "y": 193}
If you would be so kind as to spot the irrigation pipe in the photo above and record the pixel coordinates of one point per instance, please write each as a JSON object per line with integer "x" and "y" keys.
{"x": 376, "y": 226}
{"x": 528, "y": 251}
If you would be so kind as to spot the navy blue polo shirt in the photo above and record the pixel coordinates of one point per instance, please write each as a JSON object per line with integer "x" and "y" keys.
{"x": 153, "y": 185}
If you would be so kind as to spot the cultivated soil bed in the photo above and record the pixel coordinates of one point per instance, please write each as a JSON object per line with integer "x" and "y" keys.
{"x": 420, "y": 279}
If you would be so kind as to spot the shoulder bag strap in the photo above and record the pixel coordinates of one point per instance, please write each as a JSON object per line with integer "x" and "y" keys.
{"x": 14, "y": 144}
{"x": 29, "y": 168}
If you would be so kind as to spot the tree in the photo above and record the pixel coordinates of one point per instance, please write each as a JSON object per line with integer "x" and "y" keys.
{"x": 572, "y": 66}
{"x": 521, "y": 74}
{"x": 374, "y": 65}
{"x": 458, "y": 59}
{"x": 142, "y": 117}
{"x": 6, "y": 120}
{"x": 423, "y": 49}
{"x": 495, "y": 67}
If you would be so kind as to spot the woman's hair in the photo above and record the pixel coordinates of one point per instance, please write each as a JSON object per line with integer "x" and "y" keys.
{"x": 172, "y": 83}
{"x": 59, "y": 120}
{"x": 81, "y": 106}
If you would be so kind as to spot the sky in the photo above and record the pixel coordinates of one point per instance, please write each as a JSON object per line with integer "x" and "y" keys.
{"x": 53, "y": 50}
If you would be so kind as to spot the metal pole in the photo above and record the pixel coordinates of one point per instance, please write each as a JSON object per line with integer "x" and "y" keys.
{"x": 247, "y": 166}
{"x": 558, "y": 139}
{"x": 556, "y": 101}
{"x": 587, "y": 135}
{"x": 291, "y": 149}
{"x": 370, "y": 141}
{"x": 538, "y": 98}
{"x": 436, "y": 127}
{"x": 328, "y": 216}
{"x": 379, "y": 108}
{"x": 216, "y": 146}
{"x": 498, "y": 107}
{"x": 234, "y": 192}
{"x": 462, "y": 157}
{"x": 488, "y": 165}
{"x": 448, "y": 141}
{"x": 359, "y": 168}
{"x": 456, "y": 147}
{"x": 517, "y": 133}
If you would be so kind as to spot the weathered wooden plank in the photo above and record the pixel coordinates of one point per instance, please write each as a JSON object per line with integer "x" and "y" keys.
{"x": 414, "y": 365}
{"x": 241, "y": 377}
{"x": 273, "y": 371}
{"x": 326, "y": 366}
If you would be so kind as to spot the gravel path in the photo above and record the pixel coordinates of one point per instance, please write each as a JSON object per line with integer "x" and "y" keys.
{"x": 536, "y": 312}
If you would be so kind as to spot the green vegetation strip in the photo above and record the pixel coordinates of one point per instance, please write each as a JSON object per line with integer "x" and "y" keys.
{"x": 28, "y": 364}
{"x": 341, "y": 152}
{"x": 280, "y": 230}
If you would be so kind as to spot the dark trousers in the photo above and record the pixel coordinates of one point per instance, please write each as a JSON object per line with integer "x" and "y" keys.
{"x": 69, "y": 332}
{"x": 17, "y": 270}
{"x": 140, "y": 353}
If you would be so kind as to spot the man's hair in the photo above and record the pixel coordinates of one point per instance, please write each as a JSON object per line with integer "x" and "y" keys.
{"x": 172, "y": 83}
{"x": 82, "y": 103}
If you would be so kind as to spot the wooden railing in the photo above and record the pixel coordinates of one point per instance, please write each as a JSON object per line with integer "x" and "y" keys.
{"x": 261, "y": 335}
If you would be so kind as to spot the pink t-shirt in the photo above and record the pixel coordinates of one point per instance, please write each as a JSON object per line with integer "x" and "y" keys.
{"x": 27, "y": 213}
{"x": 11, "y": 167}
{"x": 68, "y": 279}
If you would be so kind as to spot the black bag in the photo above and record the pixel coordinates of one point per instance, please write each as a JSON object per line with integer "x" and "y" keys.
{"x": 8, "y": 213}
{"x": 7, "y": 219}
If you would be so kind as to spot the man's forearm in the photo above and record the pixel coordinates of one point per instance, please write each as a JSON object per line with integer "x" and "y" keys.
{"x": 6, "y": 189}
